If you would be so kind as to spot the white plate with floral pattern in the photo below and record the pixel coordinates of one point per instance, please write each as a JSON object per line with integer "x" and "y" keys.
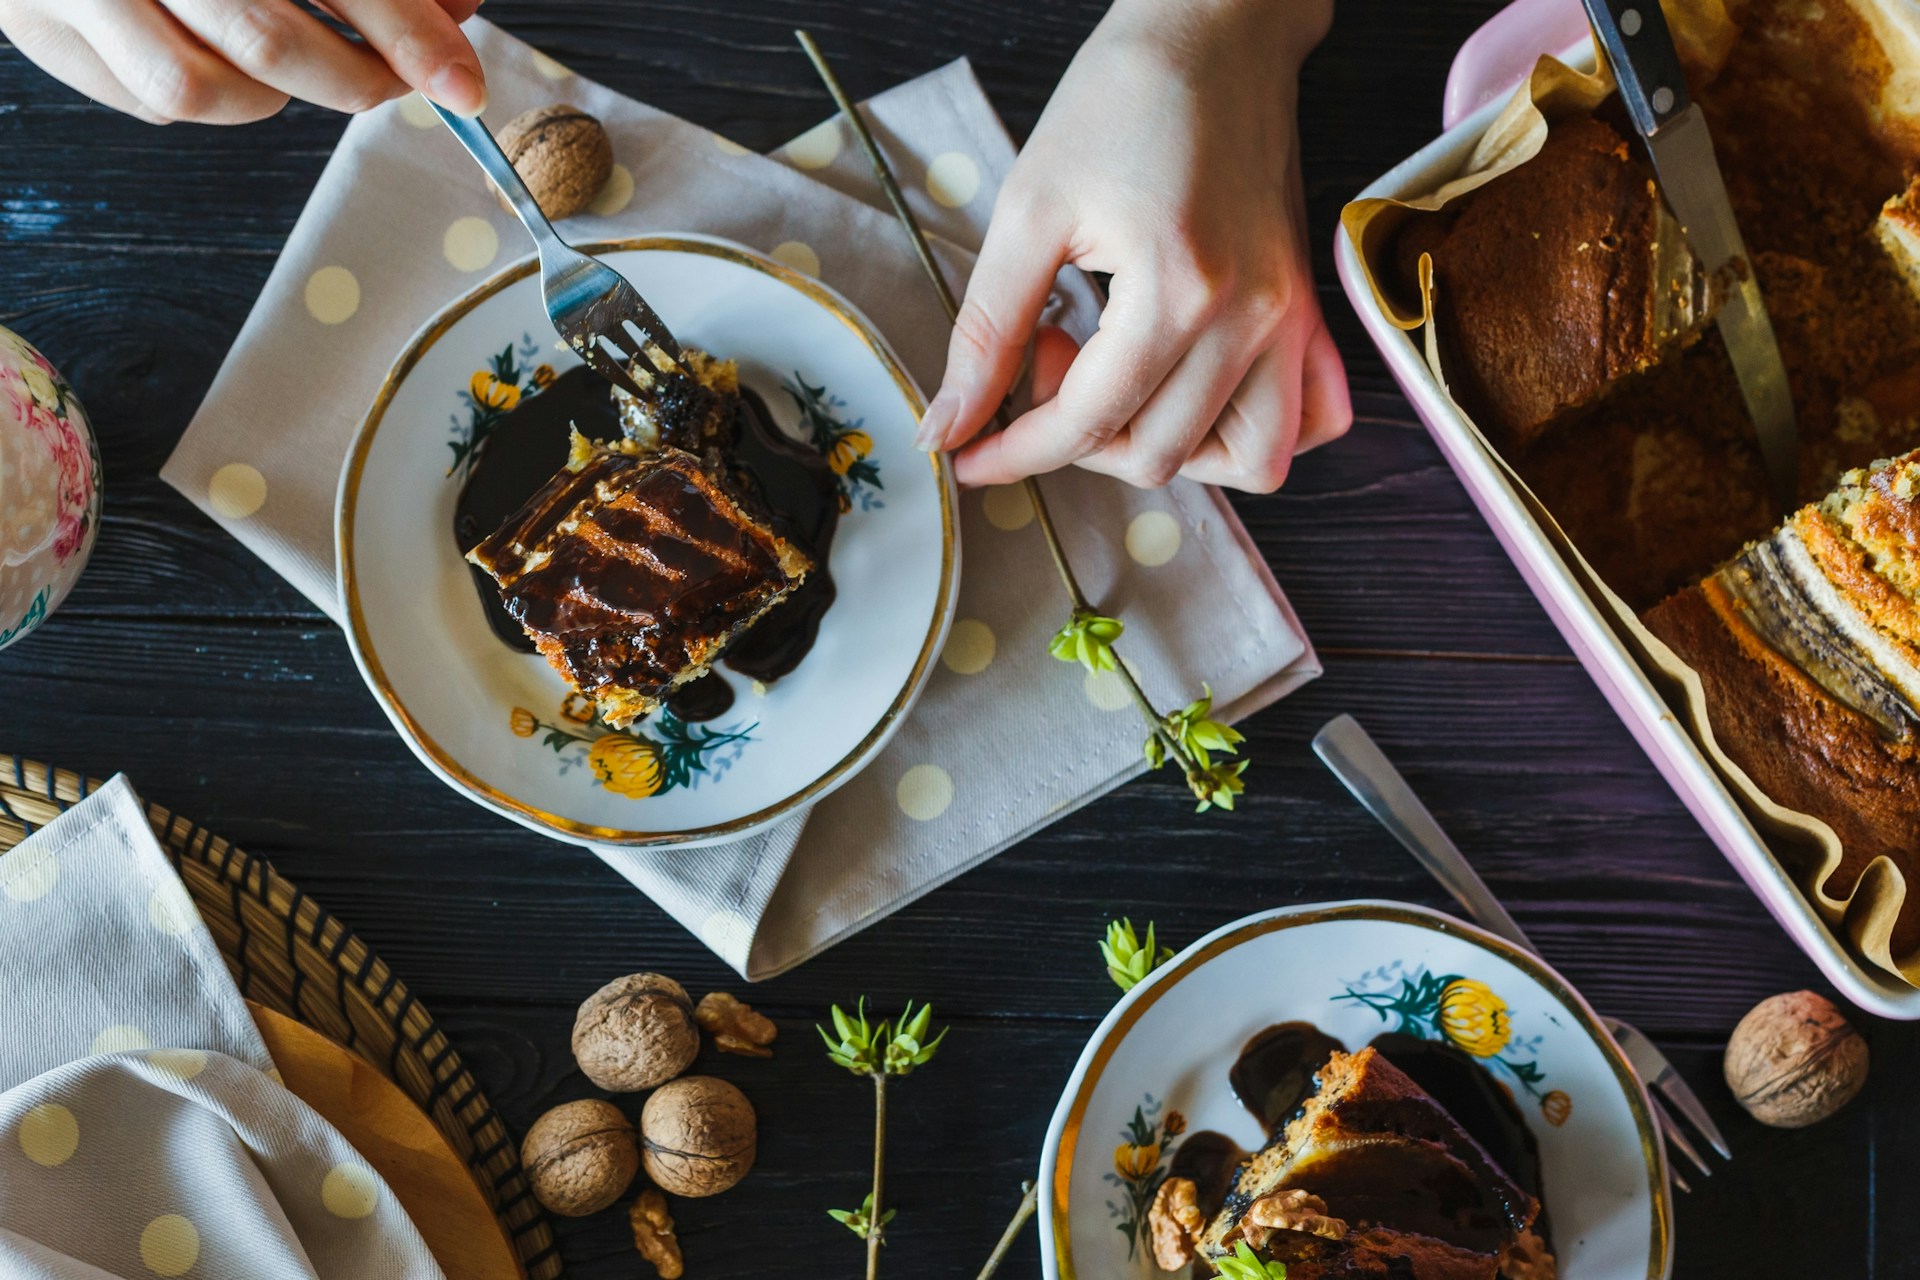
{"x": 498, "y": 725}
{"x": 1156, "y": 1070}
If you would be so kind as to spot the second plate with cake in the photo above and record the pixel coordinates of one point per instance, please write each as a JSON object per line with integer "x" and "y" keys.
{"x": 625, "y": 575}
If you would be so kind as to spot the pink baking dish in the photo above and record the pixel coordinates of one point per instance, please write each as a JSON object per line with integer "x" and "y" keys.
{"x": 1490, "y": 65}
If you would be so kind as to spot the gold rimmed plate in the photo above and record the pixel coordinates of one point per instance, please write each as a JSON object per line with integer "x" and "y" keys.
{"x": 1155, "y": 1072}
{"x": 497, "y": 724}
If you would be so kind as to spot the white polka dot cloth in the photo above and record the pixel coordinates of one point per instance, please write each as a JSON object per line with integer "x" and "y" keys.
{"x": 140, "y": 1134}
{"x": 401, "y": 222}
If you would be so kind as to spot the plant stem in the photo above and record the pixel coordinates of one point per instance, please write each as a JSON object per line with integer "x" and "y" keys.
{"x": 1028, "y": 1203}
{"x": 879, "y": 1170}
{"x": 883, "y": 173}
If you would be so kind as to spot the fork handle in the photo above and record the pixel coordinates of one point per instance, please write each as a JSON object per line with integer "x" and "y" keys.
{"x": 1357, "y": 761}
{"x": 484, "y": 148}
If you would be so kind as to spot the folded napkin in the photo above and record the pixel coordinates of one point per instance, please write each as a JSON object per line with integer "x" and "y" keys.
{"x": 1005, "y": 739}
{"x": 143, "y": 1130}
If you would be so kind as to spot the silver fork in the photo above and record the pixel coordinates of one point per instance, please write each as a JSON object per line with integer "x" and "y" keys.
{"x": 1353, "y": 756}
{"x": 591, "y": 305}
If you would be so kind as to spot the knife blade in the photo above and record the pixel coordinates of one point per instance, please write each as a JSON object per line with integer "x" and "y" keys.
{"x": 1653, "y": 87}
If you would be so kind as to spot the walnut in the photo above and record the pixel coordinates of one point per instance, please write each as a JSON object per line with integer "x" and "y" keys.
{"x": 580, "y": 1157}
{"x": 1290, "y": 1210}
{"x": 562, "y": 154}
{"x": 1527, "y": 1258}
{"x": 636, "y": 1032}
{"x": 697, "y": 1136}
{"x": 1794, "y": 1060}
{"x": 1172, "y": 1220}
{"x": 735, "y": 1027}
{"x": 653, "y": 1234}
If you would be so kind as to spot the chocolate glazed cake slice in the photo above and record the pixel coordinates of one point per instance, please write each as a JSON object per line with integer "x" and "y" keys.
{"x": 1373, "y": 1177}
{"x": 632, "y": 571}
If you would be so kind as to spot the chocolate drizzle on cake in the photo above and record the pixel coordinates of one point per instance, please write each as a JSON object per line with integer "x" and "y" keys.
{"x": 775, "y": 480}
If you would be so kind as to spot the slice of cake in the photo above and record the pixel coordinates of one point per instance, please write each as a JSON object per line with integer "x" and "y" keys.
{"x": 1373, "y": 1169}
{"x": 1807, "y": 644}
{"x": 632, "y": 571}
{"x": 1556, "y": 279}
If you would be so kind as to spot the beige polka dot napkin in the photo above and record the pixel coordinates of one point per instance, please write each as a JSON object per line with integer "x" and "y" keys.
{"x": 1005, "y": 739}
{"x": 141, "y": 1132}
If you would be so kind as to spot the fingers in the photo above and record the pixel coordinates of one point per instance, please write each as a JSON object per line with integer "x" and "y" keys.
{"x": 1326, "y": 405}
{"x": 1181, "y": 412}
{"x": 285, "y": 48}
{"x": 424, "y": 46}
{"x": 166, "y": 70}
{"x": 64, "y": 54}
{"x": 1138, "y": 342}
{"x": 1253, "y": 444}
{"x": 1008, "y": 289}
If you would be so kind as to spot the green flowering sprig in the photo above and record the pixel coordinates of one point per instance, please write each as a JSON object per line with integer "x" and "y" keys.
{"x": 1129, "y": 960}
{"x": 1088, "y": 640}
{"x": 860, "y": 1221}
{"x": 1241, "y": 1264}
{"x": 1188, "y": 737}
{"x": 892, "y": 1047}
{"x": 1193, "y": 731}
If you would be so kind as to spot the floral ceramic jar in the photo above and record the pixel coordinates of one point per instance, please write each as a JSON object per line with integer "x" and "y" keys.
{"x": 49, "y": 488}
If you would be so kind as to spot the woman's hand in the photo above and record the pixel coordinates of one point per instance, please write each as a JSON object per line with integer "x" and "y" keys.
{"x": 231, "y": 61}
{"x": 1168, "y": 157}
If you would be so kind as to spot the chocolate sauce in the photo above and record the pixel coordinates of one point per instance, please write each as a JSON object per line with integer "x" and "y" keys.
{"x": 1209, "y": 1159}
{"x": 524, "y": 451}
{"x": 707, "y": 698}
{"x": 1480, "y": 1104}
{"x": 797, "y": 486}
{"x": 788, "y": 482}
{"x": 1274, "y": 1073}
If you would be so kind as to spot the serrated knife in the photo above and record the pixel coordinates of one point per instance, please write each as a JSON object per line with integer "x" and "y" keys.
{"x": 1654, "y": 90}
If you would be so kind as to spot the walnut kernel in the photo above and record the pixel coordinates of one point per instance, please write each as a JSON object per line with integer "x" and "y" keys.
{"x": 1794, "y": 1060}
{"x": 735, "y": 1027}
{"x": 562, "y": 154}
{"x": 636, "y": 1032}
{"x": 698, "y": 1136}
{"x": 1173, "y": 1220}
{"x": 653, "y": 1234}
{"x": 1290, "y": 1210}
{"x": 580, "y": 1157}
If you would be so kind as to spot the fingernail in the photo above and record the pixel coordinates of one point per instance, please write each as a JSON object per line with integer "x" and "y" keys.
{"x": 459, "y": 89}
{"x": 937, "y": 421}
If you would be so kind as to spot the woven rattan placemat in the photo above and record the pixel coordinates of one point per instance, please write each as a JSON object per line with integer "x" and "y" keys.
{"x": 289, "y": 954}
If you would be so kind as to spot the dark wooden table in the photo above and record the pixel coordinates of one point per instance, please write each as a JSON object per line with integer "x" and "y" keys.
{"x": 131, "y": 258}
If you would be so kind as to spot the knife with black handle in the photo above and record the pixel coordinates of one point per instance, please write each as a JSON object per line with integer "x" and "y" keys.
{"x": 1653, "y": 88}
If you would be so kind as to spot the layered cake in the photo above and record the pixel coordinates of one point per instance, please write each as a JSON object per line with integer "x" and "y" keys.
{"x": 1374, "y": 1178}
{"x": 633, "y": 569}
{"x": 1808, "y": 647}
{"x": 1576, "y": 356}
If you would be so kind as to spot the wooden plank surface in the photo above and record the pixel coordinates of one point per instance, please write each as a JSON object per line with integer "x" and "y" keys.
{"x": 132, "y": 257}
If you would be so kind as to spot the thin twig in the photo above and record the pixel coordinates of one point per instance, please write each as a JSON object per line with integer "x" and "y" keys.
{"x": 875, "y": 1213}
{"x": 883, "y": 172}
{"x": 1028, "y": 1203}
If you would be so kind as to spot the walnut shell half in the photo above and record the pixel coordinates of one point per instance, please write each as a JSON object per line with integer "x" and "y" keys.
{"x": 698, "y": 1136}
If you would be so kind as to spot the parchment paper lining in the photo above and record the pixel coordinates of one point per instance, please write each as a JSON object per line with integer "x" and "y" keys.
{"x": 1705, "y": 31}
